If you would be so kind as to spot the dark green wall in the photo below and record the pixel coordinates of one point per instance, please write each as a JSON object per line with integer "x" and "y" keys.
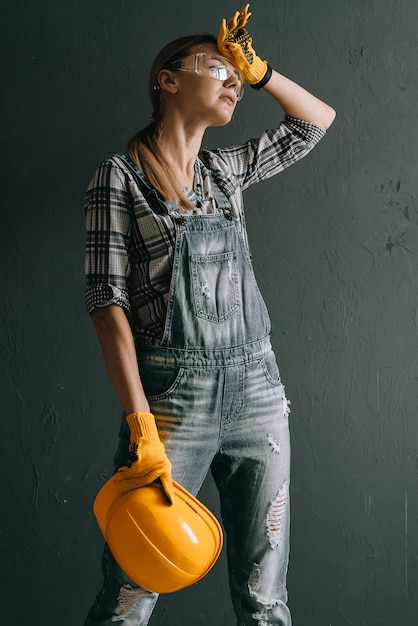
{"x": 335, "y": 248}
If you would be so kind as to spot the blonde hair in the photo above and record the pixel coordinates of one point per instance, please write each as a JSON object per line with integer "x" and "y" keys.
{"x": 144, "y": 147}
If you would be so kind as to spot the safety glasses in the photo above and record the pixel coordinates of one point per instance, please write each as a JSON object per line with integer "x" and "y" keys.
{"x": 207, "y": 64}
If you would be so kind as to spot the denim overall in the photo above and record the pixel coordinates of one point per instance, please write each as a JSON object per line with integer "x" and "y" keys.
{"x": 215, "y": 390}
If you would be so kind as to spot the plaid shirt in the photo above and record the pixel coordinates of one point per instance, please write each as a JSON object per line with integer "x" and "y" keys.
{"x": 130, "y": 246}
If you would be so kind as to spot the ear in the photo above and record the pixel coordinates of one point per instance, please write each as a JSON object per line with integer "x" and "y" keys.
{"x": 168, "y": 80}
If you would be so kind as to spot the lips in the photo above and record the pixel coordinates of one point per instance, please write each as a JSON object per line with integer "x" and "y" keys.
{"x": 229, "y": 98}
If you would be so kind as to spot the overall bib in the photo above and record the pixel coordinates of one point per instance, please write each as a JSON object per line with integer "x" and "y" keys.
{"x": 215, "y": 390}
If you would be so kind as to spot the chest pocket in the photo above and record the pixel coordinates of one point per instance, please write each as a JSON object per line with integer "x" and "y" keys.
{"x": 215, "y": 286}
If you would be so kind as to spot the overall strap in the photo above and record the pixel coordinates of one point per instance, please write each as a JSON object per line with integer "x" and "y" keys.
{"x": 227, "y": 184}
{"x": 154, "y": 199}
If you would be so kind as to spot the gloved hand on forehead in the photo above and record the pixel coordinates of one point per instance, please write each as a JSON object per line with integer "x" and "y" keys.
{"x": 235, "y": 43}
{"x": 150, "y": 462}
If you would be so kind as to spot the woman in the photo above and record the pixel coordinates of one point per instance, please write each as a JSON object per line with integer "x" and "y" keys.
{"x": 182, "y": 325}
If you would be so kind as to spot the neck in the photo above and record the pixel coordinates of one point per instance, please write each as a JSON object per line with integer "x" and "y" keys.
{"x": 181, "y": 143}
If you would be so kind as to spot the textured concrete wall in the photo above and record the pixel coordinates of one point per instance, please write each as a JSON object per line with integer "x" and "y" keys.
{"x": 335, "y": 248}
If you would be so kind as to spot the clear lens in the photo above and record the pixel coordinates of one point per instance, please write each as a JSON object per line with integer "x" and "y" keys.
{"x": 206, "y": 64}
{"x": 219, "y": 68}
{"x": 219, "y": 72}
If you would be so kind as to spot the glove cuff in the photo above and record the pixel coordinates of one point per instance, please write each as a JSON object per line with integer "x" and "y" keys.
{"x": 264, "y": 80}
{"x": 142, "y": 425}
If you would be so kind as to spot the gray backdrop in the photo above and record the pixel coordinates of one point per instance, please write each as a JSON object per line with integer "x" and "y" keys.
{"x": 334, "y": 241}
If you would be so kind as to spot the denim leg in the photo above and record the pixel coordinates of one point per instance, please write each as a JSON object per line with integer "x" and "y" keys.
{"x": 189, "y": 422}
{"x": 120, "y": 601}
{"x": 252, "y": 474}
{"x": 183, "y": 401}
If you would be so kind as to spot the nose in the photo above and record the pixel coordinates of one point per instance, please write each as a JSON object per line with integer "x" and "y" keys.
{"x": 234, "y": 82}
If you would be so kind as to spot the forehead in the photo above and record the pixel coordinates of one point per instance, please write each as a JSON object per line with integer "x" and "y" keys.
{"x": 206, "y": 47}
{"x": 210, "y": 48}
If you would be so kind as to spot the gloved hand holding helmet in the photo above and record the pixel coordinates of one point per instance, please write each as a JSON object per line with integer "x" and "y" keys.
{"x": 162, "y": 548}
{"x": 150, "y": 460}
{"x": 235, "y": 43}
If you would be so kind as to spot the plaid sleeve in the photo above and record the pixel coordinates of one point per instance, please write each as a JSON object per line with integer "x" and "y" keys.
{"x": 272, "y": 152}
{"x": 108, "y": 227}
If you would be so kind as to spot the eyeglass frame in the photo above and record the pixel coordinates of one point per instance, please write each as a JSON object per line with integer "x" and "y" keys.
{"x": 198, "y": 55}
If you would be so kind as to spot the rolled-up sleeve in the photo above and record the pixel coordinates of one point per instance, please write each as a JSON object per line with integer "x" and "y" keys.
{"x": 108, "y": 233}
{"x": 269, "y": 154}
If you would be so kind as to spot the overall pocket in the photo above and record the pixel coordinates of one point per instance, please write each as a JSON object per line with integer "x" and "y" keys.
{"x": 215, "y": 286}
{"x": 159, "y": 381}
{"x": 271, "y": 369}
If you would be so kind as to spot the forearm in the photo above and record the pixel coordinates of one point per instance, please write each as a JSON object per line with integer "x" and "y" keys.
{"x": 118, "y": 348}
{"x": 298, "y": 102}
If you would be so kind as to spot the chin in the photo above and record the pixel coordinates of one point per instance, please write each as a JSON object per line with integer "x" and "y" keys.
{"x": 222, "y": 120}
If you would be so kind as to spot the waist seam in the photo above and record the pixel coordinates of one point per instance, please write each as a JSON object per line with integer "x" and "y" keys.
{"x": 222, "y": 357}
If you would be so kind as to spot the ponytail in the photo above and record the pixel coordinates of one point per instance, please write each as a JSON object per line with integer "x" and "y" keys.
{"x": 144, "y": 147}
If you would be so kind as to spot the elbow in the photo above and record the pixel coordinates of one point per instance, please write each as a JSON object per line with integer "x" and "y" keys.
{"x": 99, "y": 316}
{"x": 104, "y": 318}
{"x": 329, "y": 117}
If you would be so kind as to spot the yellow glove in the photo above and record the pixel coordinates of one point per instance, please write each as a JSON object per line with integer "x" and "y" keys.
{"x": 151, "y": 462}
{"x": 235, "y": 44}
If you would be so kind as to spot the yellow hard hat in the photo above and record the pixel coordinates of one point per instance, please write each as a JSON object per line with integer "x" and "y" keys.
{"x": 161, "y": 547}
